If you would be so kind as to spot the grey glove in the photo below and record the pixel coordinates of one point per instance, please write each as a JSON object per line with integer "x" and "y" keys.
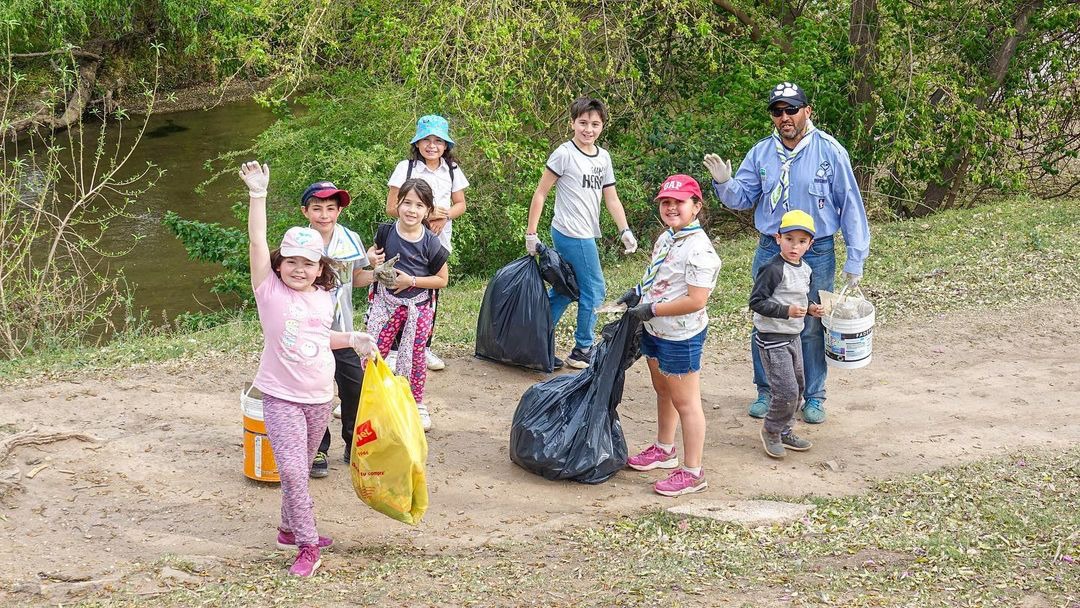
{"x": 642, "y": 312}
{"x": 630, "y": 298}
{"x": 385, "y": 273}
{"x": 851, "y": 278}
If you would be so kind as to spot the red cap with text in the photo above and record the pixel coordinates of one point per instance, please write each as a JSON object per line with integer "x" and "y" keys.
{"x": 680, "y": 187}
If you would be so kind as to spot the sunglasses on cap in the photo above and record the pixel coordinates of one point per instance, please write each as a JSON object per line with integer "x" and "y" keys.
{"x": 790, "y": 111}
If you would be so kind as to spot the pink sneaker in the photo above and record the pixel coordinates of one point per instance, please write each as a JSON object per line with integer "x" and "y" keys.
{"x": 653, "y": 457}
{"x": 307, "y": 561}
{"x": 286, "y": 540}
{"x": 681, "y": 482}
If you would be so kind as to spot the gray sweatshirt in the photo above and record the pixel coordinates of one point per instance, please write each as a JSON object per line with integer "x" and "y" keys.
{"x": 779, "y": 284}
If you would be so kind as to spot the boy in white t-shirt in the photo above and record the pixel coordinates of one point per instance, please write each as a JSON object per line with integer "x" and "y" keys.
{"x": 582, "y": 175}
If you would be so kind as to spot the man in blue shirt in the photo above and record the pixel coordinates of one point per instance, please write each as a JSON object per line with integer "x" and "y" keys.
{"x": 798, "y": 167}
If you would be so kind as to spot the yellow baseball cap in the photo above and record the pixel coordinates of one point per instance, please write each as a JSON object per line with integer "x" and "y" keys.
{"x": 797, "y": 220}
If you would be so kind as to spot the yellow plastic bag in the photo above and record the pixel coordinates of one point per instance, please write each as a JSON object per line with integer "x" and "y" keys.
{"x": 389, "y": 448}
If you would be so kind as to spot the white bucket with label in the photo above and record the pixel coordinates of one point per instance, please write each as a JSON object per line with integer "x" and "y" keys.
{"x": 849, "y": 341}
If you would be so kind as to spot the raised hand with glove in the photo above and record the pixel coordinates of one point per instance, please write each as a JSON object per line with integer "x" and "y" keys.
{"x": 256, "y": 177}
{"x": 719, "y": 168}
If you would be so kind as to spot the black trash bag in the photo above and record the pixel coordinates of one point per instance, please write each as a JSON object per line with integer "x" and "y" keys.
{"x": 557, "y": 272}
{"x": 567, "y": 427}
{"x": 514, "y": 325}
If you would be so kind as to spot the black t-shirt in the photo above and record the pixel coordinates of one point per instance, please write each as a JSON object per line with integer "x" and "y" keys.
{"x": 423, "y": 258}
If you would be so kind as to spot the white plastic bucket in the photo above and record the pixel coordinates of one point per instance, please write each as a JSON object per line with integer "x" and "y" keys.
{"x": 849, "y": 343}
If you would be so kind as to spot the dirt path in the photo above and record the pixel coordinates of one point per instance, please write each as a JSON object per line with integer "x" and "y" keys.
{"x": 165, "y": 480}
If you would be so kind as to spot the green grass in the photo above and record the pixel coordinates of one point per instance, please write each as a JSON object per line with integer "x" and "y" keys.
{"x": 994, "y": 533}
{"x": 1012, "y": 252}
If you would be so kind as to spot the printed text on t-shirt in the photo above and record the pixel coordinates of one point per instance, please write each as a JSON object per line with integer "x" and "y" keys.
{"x": 594, "y": 181}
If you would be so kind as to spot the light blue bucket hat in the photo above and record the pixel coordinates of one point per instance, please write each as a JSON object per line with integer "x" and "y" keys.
{"x": 433, "y": 124}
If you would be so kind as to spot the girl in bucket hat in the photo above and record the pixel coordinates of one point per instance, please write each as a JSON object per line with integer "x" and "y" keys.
{"x": 671, "y": 300}
{"x": 292, "y": 286}
{"x": 431, "y": 159}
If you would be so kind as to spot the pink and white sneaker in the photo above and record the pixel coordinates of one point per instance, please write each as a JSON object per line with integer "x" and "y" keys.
{"x": 680, "y": 482}
{"x": 653, "y": 457}
{"x": 286, "y": 540}
{"x": 307, "y": 562}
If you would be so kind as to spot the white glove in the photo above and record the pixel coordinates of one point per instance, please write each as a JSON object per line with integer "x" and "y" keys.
{"x": 851, "y": 278}
{"x": 362, "y": 342}
{"x": 718, "y": 167}
{"x": 531, "y": 241}
{"x": 255, "y": 176}
{"x": 628, "y": 241}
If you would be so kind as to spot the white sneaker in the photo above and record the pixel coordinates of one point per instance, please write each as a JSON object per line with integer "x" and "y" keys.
{"x": 425, "y": 417}
{"x": 434, "y": 363}
{"x": 391, "y": 360}
{"x": 337, "y": 411}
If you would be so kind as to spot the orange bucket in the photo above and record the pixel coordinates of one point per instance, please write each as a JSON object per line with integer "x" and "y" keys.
{"x": 259, "y": 463}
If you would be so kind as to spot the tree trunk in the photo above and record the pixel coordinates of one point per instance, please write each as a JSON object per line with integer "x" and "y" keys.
{"x": 942, "y": 193}
{"x": 89, "y": 66}
{"x": 755, "y": 29}
{"x": 862, "y": 34}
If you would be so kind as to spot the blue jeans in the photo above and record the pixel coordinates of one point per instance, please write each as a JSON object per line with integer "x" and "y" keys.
{"x": 822, "y": 260}
{"x": 584, "y": 257}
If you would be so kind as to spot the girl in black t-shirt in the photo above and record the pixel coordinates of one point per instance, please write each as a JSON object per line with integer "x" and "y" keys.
{"x": 405, "y": 305}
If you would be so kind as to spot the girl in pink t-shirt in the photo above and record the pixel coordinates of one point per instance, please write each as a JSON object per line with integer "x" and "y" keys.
{"x": 296, "y": 371}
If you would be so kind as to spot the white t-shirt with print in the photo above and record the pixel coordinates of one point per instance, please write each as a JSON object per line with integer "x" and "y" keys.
{"x": 691, "y": 261}
{"x": 440, "y": 183}
{"x": 579, "y": 189}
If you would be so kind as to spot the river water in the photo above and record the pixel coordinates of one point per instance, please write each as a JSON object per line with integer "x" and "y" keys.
{"x": 166, "y": 283}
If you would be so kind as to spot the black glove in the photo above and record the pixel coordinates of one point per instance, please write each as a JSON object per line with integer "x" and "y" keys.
{"x": 641, "y": 312}
{"x": 630, "y": 298}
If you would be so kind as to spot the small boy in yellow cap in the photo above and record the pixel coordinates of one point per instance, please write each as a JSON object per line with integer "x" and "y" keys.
{"x": 780, "y": 301}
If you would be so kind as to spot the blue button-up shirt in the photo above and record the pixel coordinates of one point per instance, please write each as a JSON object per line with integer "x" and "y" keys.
{"x": 821, "y": 184}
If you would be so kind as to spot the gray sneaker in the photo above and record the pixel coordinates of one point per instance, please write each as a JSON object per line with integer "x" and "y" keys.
{"x": 774, "y": 447}
{"x": 793, "y": 442}
{"x": 579, "y": 358}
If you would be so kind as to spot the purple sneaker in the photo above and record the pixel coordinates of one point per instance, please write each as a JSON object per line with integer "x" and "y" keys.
{"x": 680, "y": 482}
{"x": 286, "y": 540}
{"x": 653, "y": 457}
{"x": 307, "y": 561}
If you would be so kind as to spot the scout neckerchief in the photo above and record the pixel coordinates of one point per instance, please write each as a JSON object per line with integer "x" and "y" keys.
{"x": 781, "y": 192}
{"x": 344, "y": 246}
{"x": 666, "y": 242}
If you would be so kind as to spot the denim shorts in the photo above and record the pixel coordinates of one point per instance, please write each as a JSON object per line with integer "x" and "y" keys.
{"x": 676, "y": 358}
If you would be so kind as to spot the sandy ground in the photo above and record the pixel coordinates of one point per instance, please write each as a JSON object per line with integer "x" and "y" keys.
{"x": 165, "y": 478}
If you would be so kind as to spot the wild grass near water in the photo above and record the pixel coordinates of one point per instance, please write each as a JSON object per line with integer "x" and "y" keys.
{"x": 1011, "y": 252}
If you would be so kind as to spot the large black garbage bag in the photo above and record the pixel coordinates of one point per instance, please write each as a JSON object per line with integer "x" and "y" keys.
{"x": 557, "y": 272}
{"x": 567, "y": 427}
{"x": 514, "y": 325}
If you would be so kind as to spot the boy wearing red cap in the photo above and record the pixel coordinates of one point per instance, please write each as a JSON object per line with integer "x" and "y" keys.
{"x": 671, "y": 300}
{"x": 322, "y": 203}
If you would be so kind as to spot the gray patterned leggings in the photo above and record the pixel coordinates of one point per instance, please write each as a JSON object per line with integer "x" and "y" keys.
{"x": 295, "y": 430}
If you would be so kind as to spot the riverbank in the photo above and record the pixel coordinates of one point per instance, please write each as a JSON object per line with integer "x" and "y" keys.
{"x": 200, "y": 96}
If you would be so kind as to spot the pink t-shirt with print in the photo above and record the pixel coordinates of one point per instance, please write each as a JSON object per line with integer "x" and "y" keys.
{"x": 297, "y": 363}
